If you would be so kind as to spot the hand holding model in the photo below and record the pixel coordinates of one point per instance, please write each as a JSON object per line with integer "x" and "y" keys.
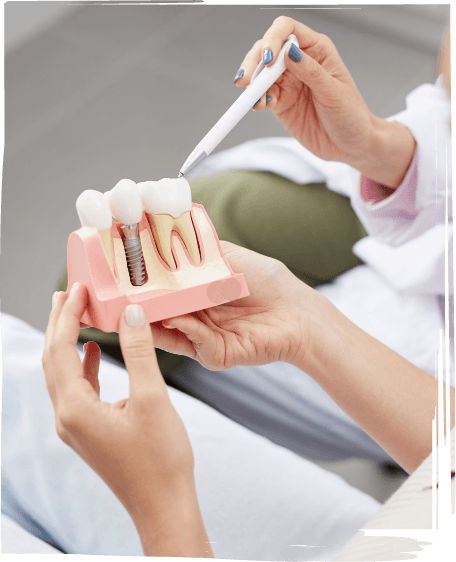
{"x": 265, "y": 327}
{"x": 138, "y": 445}
{"x": 318, "y": 103}
{"x": 285, "y": 320}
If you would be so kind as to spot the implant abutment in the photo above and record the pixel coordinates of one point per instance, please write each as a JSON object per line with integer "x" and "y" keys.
{"x": 134, "y": 254}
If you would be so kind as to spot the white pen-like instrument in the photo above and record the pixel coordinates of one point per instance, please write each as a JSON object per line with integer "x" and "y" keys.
{"x": 262, "y": 79}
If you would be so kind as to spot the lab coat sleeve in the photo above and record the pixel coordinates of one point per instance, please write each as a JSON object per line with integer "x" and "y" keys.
{"x": 424, "y": 197}
{"x": 410, "y": 239}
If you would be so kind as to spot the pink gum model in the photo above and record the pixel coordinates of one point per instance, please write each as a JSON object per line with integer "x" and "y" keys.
{"x": 88, "y": 264}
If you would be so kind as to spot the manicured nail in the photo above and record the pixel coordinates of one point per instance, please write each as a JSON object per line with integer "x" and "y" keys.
{"x": 134, "y": 316}
{"x": 255, "y": 104}
{"x": 294, "y": 53}
{"x": 84, "y": 347}
{"x": 239, "y": 74}
{"x": 74, "y": 288}
{"x": 54, "y": 298}
{"x": 268, "y": 99}
{"x": 267, "y": 56}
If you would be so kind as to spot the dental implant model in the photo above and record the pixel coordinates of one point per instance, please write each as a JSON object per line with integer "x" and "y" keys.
{"x": 168, "y": 204}
{"x": 93, "y": 210}
{"x": 126, "y": 207}
{"x": 161, "y": 251}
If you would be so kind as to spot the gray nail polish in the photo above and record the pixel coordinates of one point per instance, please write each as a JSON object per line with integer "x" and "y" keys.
{"x": 268, "y": 99}
{"x": 239, "y": 74}
{"x": 294, "y": 53}
{"x": 267, "y": 56}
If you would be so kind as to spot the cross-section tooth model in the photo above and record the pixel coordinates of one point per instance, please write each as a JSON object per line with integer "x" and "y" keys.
{"x": 161, "y": 251}
{"x": 168, "y": 204}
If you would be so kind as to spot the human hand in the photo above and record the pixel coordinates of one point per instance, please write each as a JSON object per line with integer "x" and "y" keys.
{"x": 318, "y": 103}
{"x": 272, "y": 324}
{"x": 137, "y": 445}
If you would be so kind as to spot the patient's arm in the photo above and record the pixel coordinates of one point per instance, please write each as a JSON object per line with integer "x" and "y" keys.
{"x": 139, "y": 445}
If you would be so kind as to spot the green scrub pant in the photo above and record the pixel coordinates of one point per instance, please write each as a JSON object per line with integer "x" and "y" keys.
{"x": 307, "y": 227}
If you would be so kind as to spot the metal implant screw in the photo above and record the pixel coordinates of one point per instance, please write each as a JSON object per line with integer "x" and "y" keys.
{"x": 134, "y": 254}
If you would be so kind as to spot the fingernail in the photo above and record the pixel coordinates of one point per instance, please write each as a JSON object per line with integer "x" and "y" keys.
{"x": 268, "y": 99}
{"x": 255, "y": 104}
{"x": 267, "y": 56}
{"x": 54, "y": 298}
{"x": 74, "y": 288}
{"x": 134, "y": 316}
{"x": 239, "y": 74}
{"x": 294, "y": 53}
{"x": 84, "y": 347}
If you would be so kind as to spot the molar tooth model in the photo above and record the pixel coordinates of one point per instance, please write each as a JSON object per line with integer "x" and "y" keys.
{"x": 176, "y": 267}
{"x": 168, "y": 204}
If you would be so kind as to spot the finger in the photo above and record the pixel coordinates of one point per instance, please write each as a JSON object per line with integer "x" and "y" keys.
{"x": 272, "y": 96}
{"x": 63, "y": 349}
{"x": 58, "y": 300}
{"x": 68, "y": 323}
{"x": 137, "y": 345}
{"x": 172, "y": 340}
{"x": 281, "y": 28}
{"x": 200, "y": 335}
{"x": 249, "y": 64}
{"x": 91, "y": 364}
{"x": 309, "y": 71}
{"x": 260, "y": 104}
{"x": 273, "y": 40}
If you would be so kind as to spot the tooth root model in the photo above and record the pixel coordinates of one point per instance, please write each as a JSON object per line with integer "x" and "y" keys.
{"x": 126, "y": 207}
{"x": 93, "y": 210}
{"x": 168, "y": 203}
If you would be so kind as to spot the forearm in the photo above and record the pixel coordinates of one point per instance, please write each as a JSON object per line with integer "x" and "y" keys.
{"x": 388, "y": 155}
{"x": 391, "y": 399}
{"x": 177, "y": 530}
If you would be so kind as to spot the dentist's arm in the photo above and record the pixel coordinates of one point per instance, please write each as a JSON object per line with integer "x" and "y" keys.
{"x": 285, "y": 320}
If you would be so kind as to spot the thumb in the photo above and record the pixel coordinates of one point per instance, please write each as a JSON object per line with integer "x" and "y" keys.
{"x": 137, "y": 345}
{"x": 196, "y": 331}
{"x": 308, "y": 70}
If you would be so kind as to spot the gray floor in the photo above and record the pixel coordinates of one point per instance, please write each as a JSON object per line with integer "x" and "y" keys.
{"x": 100, "y": 93}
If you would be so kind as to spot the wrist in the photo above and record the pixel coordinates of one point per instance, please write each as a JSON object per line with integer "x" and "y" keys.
{"x": 173, "y": 527}
{"x": 389, "y": 153}
{"x": 318, "y": 330}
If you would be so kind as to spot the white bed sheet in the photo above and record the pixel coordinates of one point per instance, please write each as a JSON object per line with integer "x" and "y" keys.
{"x": 16, "y": 540}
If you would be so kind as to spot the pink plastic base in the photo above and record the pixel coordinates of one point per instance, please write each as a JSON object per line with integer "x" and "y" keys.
{"x": 87, "y": 263}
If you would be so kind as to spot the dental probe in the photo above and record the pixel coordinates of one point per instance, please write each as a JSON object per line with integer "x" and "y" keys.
{"x": 262, "y": 79}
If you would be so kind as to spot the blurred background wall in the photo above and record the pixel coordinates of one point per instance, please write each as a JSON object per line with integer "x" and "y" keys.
{"x": 96, "y": 93}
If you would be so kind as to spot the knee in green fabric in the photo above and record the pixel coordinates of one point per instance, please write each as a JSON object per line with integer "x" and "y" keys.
{"x": 308, "y": 227}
